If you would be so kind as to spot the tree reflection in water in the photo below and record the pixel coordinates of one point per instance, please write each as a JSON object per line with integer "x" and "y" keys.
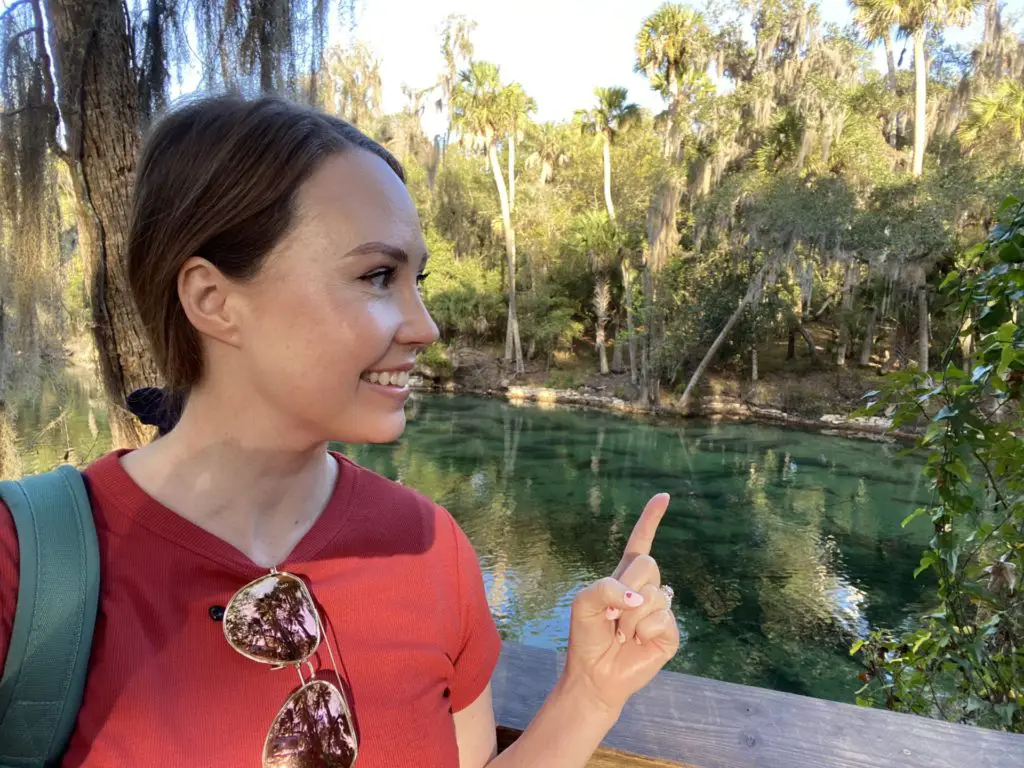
{"x": 781, "y": 545}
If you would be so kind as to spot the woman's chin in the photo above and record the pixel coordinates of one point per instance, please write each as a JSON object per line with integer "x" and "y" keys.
{"x": 385, "y": 429}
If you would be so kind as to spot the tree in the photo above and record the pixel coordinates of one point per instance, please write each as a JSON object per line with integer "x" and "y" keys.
{"x": 518, "y": 107}
{"x": 877, "y": 28}
{"x": 595, "y": 236}
{"x": 110, "y": 71}
{"x": 480, "y": 113}
{"x": 550, "y": 147}
{"x": 612, "y": 115}
{"x": 916, "y": 19}
{"x": 674, "y": 50}
{"x": 1000, "y": 113}
{"x": 350, "y": 84}
{"x": 457, "y": 52}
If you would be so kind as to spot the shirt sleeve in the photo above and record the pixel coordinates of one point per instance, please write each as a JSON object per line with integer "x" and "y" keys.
{"x": 479, "y": 641}
{"x": 8, "y": 579}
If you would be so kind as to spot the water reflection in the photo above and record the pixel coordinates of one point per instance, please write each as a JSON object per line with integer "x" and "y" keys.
{"x": 782, "y": 546}
{"x": 53, "y": 416}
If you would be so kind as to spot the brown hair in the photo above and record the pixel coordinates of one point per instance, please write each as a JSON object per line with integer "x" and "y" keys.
{"x": 217, "y": 178}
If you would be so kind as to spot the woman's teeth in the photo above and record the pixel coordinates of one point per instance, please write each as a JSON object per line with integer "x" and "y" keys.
{"x": 396, "y": 379}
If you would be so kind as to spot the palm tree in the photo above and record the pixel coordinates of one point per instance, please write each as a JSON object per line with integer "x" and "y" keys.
{"x": 875, "y": 29}
{"x": 1001, "y": 110}
{"x": 550, "y": 149}
{"x": 673, "y": 49}
{"x": 915, "y": 18}
{"x": 480, "y": 113}
{"x": 595, "y": 236}
{"x": 518, "y": 107}
{"x": 612, "y": 115}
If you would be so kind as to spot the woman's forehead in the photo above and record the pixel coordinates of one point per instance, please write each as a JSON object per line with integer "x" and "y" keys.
{"x": 358, "y": 197}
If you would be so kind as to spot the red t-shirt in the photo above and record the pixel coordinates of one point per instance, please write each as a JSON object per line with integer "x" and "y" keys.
{"x": 399, "y": 586}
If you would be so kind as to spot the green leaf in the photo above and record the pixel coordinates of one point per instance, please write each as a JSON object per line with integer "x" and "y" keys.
{"x": 856, "y": 647}
{"x": 951, "y": 280}
{"x": 927, "y": 561}
{"x": 921, "y": 641}
{"x": 947, "y": 412}
{"x": 1006, "y": 332}
{"x": 1010, "y": 253}
{"x": 958, "y": 469}
{"x": 920, "y": 511}
{"x": 1008, "y": 203}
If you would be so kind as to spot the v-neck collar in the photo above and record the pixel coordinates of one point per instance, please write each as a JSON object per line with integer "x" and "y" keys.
{"x": 113, "y": 488}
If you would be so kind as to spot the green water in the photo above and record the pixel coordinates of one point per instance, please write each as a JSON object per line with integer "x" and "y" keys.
{"x": 782, "y": 546}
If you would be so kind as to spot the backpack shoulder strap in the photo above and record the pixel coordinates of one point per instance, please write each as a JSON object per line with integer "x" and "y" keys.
{"x": 58, "y": 593}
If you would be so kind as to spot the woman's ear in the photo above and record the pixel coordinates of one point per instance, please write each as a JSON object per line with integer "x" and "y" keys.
{"x": 206, "y": 296}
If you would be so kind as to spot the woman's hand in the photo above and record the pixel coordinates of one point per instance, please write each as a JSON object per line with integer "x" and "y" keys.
{"x": 622, "y": 630}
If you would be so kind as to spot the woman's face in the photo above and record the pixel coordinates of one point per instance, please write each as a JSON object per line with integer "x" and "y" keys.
{"x": 336, "y": 310}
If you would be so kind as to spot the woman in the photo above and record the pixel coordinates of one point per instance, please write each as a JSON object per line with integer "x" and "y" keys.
{"x": 275, "y": 257}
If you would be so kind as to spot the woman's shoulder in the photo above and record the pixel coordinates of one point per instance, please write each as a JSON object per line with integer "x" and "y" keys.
{"x": 394, "y": 511}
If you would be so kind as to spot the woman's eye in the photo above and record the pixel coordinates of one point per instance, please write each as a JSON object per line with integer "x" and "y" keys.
{"x": 381, "y": 278}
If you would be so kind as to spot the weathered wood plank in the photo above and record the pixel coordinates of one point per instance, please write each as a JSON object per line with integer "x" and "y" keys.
{"x": 603, "y": 758}
{"x": 704, "y": 723}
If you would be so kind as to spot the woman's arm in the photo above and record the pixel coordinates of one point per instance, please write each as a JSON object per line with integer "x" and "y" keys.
{"x": 621, "y": 633}
{"x": 564, "y": 733}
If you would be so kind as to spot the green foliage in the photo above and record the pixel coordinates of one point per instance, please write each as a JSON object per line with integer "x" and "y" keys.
{"x": 965, "y": 660}
{"x": 435, "y": 362}
{"x": 549, "y": 322}
{"x": 463, "y": 295}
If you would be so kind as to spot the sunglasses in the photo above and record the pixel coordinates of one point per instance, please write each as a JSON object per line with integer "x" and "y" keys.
{"x": 273, "y": 620}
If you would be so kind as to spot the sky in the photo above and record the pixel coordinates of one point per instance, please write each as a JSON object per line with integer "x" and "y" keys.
{"x": 559, "y": 50}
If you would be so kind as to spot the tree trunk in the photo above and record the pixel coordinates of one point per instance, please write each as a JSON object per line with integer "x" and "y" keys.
{"x": 99, "y": 104}
{"x": 920, "y": 96}
{"x": 869, "y": 337}
{"x": 547, "y": 170}
{"x": 791, "y": 344}
{"x": 844, "y": 319}
{"x": 627, "y": 292}
{"x": 601, "y": 300}
{"x": 513, "y": 345}
{"x": 606, "y": 146}
{"x": 922, "y": 328}
{"x": 618, "y": 362}
{"x": 511, "y": 173}
{"x": 753, "y": 363}
{"x": 710, "y": 354}
{"x": 892, "y": 128}
{"x": 649, "y": 384}
{"x": 662, "y": 234}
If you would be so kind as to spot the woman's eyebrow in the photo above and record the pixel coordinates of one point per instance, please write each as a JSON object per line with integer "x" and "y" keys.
{"x": 377, "y": 247}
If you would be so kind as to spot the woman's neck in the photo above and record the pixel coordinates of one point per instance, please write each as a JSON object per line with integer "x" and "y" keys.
{"x": 237, "y": 477}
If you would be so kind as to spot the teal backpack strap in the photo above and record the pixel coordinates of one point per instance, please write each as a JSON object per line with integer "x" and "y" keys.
{"x": 58, "y": 593}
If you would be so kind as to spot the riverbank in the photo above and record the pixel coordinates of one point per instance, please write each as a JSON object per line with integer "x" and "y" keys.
{"x": 803, "y": 397}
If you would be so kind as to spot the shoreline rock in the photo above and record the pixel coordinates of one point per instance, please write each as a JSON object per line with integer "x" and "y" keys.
{"x": 714, "y": 408}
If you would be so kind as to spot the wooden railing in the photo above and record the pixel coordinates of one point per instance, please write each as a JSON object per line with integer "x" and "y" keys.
{"x": 680, "y": 720}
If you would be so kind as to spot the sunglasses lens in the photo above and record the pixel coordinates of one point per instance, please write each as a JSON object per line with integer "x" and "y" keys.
{"x": 273, "y": 620}
{"x": 311, "y": 731}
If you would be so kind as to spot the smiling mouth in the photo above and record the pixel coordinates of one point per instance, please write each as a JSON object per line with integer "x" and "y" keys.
{"x": 396, "y": 379}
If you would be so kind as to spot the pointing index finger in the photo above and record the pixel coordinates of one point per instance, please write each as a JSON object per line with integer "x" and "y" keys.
{"x": 642, "y": 537}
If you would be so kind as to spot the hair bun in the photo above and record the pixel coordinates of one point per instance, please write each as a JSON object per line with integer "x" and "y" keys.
{"x": 156, "y": 407}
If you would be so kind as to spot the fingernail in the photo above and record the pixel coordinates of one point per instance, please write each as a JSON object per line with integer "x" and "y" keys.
{"x": 634, "y": 599}
{"x": 620, "y": 637}
{"x": 612, "y": 613}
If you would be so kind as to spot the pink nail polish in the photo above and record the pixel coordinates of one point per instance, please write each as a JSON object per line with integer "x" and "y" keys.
{"x": 634, "y": 599}
{"x": 620, "y": 637}
{"x": 612, "y": 613}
